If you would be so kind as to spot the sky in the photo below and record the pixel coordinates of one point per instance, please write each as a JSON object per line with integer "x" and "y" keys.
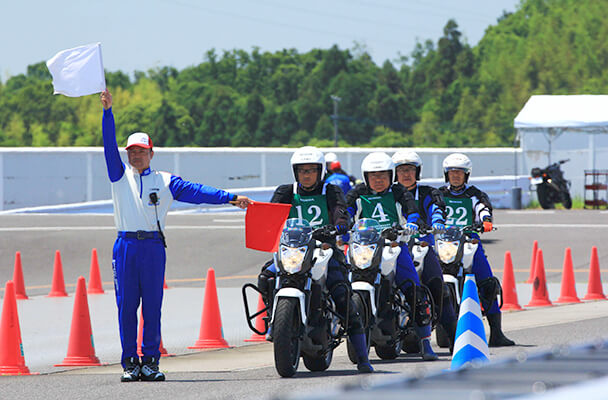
{"x": 137, "y": 35}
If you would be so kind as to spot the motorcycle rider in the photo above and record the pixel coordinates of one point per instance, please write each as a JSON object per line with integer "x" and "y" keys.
{"x": 466, "y": 204}
{"x": 320, "y": 204}
{"x": 408, "y": 169}
{"x": 331, "y": 158}
{"x": 392, "y": 205}
{"x": 339, "y": 178}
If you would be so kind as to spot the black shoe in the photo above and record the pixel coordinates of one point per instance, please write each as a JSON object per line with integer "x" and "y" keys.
{"x": 132, "y": 370}
{"x": 427, "y": 351}
{"x": 149, "y": 371}
{"x": 497, "y": 337}
{"x": 365, "y": 367}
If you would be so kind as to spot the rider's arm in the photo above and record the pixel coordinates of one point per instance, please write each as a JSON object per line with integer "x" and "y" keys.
{"x": 337, "y": 206}
{"x": 351, "y": 199}
{"x": 283, "y": 194}
{"x": 435, "y": 207}
{"x": 481, "y": 204}
{"x": 410, "y": 209}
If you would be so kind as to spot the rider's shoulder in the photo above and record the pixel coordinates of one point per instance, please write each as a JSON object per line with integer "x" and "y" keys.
{"x": 474, "y": 191}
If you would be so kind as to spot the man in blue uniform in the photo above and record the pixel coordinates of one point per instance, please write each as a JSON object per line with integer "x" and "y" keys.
{"x": 465, "y": 205}
{"x": 408, "y": 169}
{"x": 392, "y": 205}
{"x": 142, "y": 197}
{"x": 339, "y": 177}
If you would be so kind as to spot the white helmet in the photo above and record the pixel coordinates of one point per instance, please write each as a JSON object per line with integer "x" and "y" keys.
{"x": 408, "y": 157}
{"x": 330, "y": 157}
{"x": 308, "y": 155}
{"x": 457, "y": 161}
{"x": 374, "y": 162}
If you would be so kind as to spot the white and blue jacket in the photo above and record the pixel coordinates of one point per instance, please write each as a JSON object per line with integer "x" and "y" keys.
{"x": 133, "y": 210}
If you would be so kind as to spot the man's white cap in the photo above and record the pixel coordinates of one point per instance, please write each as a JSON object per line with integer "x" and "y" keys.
{"x": 139, "y": 139}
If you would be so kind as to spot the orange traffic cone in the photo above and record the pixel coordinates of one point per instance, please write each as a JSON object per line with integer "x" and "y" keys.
{"x": 12, "y": 361}
{"x": 533, "y": 262}
{"x": 259, "y": 324}
{"x": 568, "y": 291}
{"x": 594, "y": 287}
{"x": 509, "y": 290}
{"x": 140, "y": 340}
{"x": 81, "y": 348}
{"x": 210, "y": 334}
{"x": 540, "y": 296}
{"x": 18, "y": 279}
{"x": 95, "y": 285}
{"x": 58, "y": 286}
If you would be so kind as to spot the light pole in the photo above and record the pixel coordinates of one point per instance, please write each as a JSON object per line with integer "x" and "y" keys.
{"x": 336, "y": 100}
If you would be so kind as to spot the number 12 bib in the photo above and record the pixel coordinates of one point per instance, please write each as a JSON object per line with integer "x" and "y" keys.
{"x": 310, "y": 208}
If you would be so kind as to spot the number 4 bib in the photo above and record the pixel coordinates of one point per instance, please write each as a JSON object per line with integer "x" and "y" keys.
{"x": 382, "y": 208}
{"x": 459, "y": 211}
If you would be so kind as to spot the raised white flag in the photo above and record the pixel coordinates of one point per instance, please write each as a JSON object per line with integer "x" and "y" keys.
{"x": 78, "y": 72}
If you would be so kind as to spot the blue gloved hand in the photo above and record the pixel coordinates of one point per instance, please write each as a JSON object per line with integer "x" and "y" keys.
{"x": 411, "y": 228}
{"x": 341, "y": 229}
{"x": 438, "y": 227}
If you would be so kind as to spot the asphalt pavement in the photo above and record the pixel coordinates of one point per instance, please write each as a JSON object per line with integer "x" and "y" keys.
{"x": 199, "y": 242}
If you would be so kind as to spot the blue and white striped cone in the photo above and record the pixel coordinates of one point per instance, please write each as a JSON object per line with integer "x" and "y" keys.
{"x": 471, "y": 344}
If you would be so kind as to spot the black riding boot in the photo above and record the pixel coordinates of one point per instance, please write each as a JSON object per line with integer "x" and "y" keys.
{"x": 450, "y": 330}
{"x": 497, "y": 337}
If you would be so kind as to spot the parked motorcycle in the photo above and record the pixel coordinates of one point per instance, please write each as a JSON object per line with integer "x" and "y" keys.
{"x": 297, "y": 328}
{"x": 551, "y": 186}
{"x": 455, "y": 250}
{"x": 385, "y": 313}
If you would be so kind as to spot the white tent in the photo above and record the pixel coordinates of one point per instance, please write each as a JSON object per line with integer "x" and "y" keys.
{"x": 576, "y": 120}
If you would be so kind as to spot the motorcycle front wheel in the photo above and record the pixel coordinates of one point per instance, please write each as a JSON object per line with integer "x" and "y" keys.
{"x": 566, "y": 200}
{"x": 389, "y": 352}
{"x": 365, "y": 313}
{"x": 542, "y": 192}
{"x": 443, "y": 339}
{"x": 286, "y": 337}
{"x": 317, "y": 364}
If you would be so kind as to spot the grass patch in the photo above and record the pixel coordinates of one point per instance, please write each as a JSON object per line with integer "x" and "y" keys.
{"x": 577, "y": 204}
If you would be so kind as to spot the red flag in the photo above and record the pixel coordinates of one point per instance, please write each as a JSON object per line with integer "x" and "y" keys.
{"x": 263, "y": 225}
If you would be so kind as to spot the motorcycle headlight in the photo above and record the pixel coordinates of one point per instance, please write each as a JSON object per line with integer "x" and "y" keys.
{"x": 292, "y": 258}
{"x": 362, "y": 255}
{"x": 447, "y": 251}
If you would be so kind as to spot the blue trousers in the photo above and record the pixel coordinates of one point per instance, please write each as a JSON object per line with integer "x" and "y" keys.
{"x": 482, "y": 270}
{"x": 432, "y": 271}
{"x": 139, "y": 273}
{"x": 404, "y": 272}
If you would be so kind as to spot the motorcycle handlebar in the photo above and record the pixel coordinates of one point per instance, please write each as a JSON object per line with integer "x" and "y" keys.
{"x": 327, "y": 230}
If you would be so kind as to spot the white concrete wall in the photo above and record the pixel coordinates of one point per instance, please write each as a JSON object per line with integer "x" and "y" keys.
{"x": 48, "y": 176}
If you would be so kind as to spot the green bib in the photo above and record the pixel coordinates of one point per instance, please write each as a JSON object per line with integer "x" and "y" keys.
{"x": 459, "y": 211}
{"x": 310, "y": 208}
{"x": 380, "y": 207}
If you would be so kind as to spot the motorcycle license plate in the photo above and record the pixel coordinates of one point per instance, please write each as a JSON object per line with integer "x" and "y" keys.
{"x": 536, "y": 181}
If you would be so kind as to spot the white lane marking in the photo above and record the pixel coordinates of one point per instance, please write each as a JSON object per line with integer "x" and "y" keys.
{"x": 531, "y": 212}
{"x": 570, "y": 226}
{"x": 96, "y": 228}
